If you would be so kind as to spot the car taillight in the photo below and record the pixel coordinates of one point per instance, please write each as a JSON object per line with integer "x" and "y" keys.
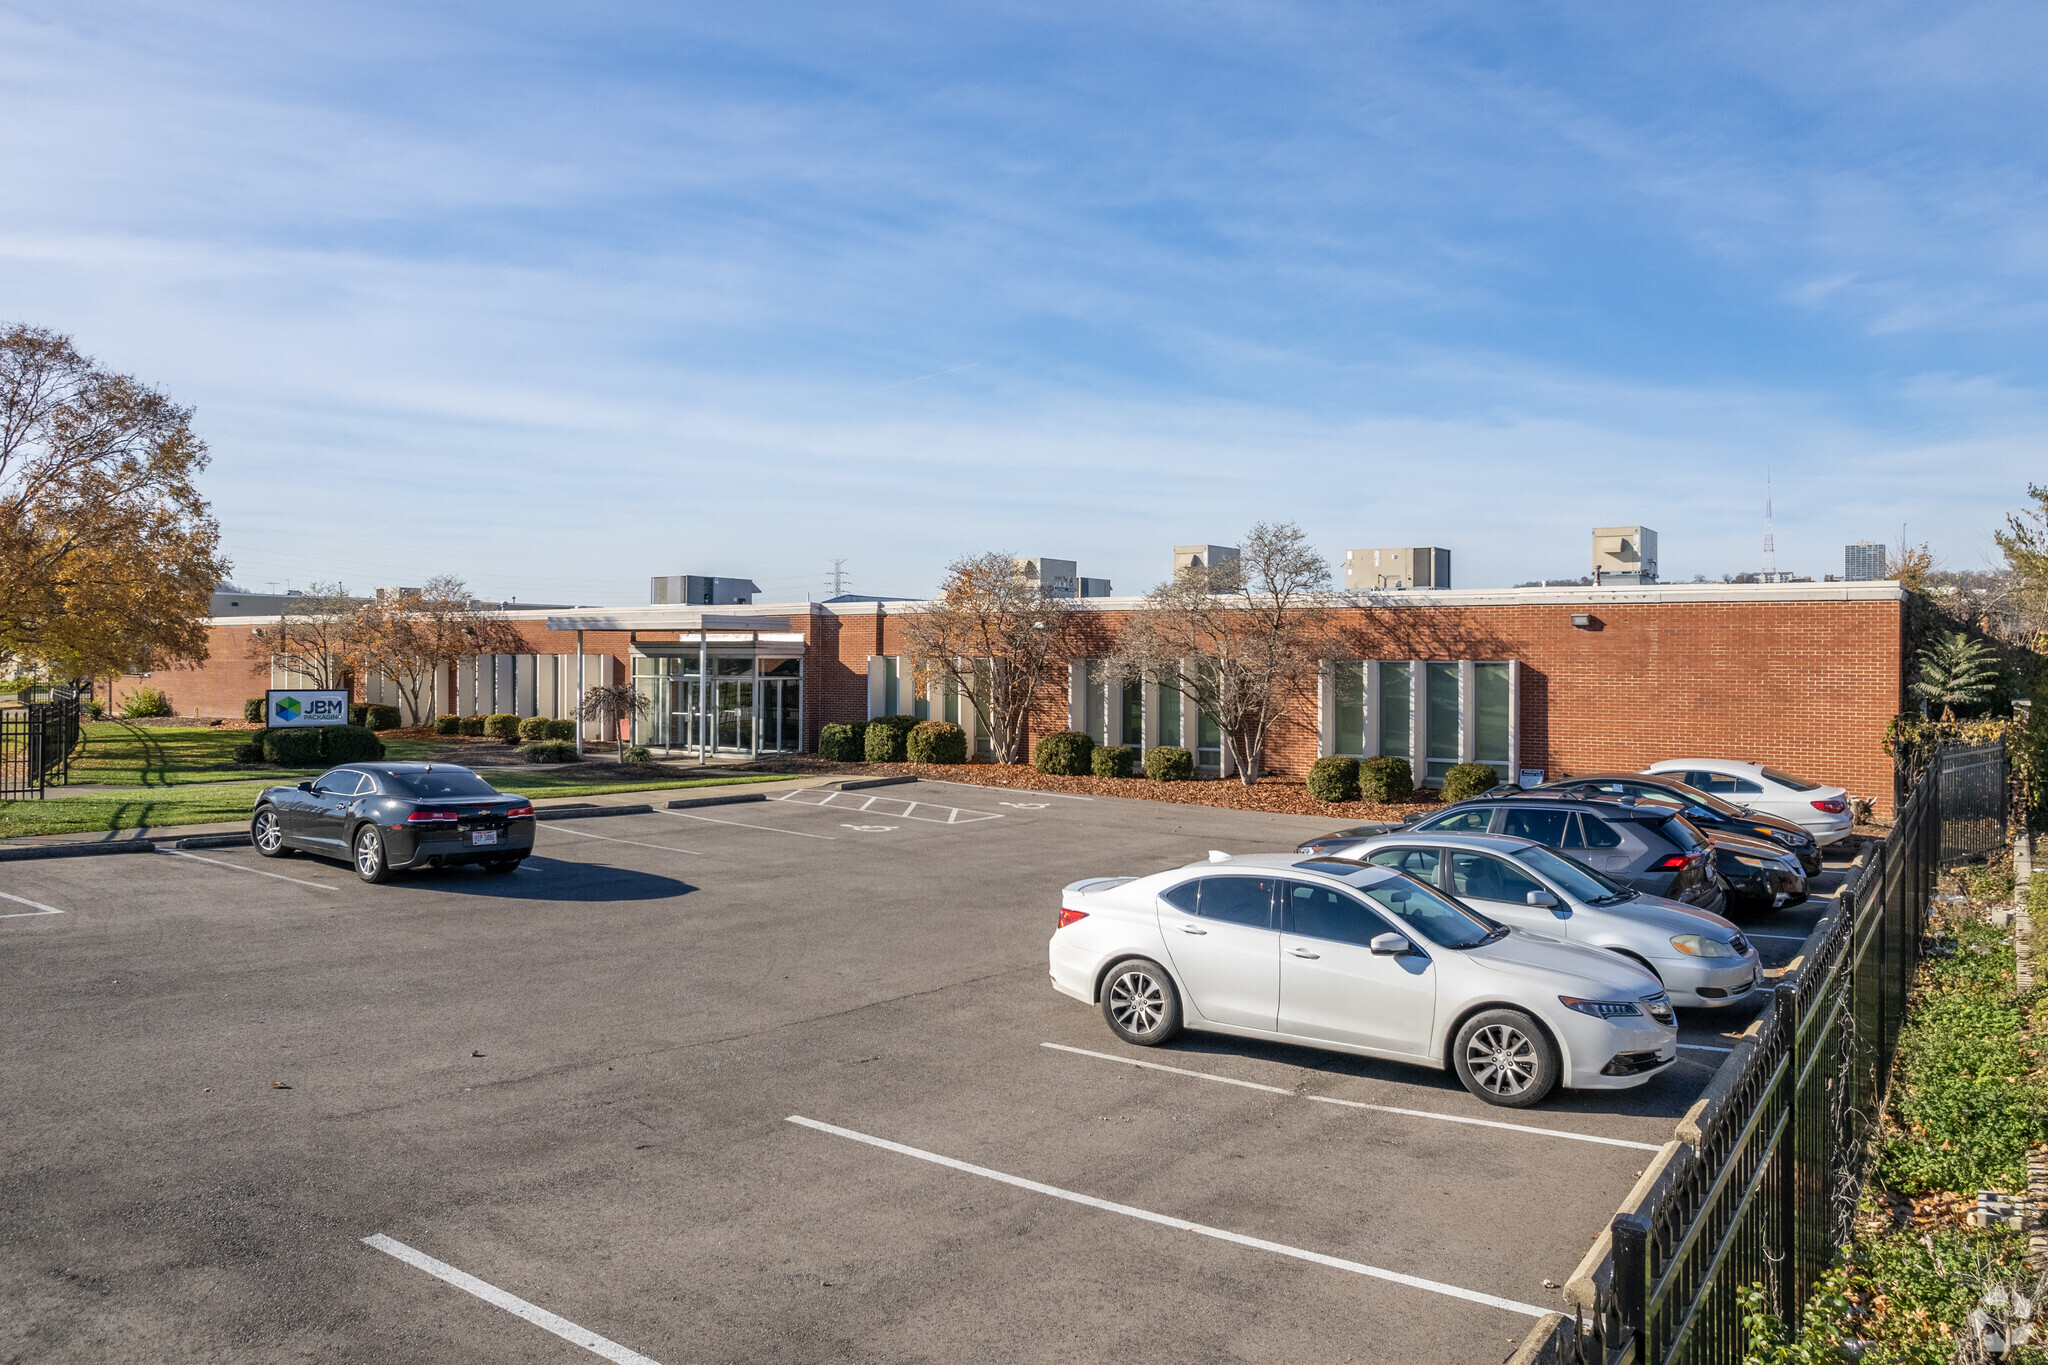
{"x": 1070, "y": 916}
{"x": 519, "y": 813}
{"x": 1834, "y": 805}
{"x": 430, "y": 817}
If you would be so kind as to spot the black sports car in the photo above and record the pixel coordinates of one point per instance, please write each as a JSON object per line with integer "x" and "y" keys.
{"x": 385, "y": 817}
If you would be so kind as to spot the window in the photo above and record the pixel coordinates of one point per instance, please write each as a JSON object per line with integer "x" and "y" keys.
{"x": 1554, "y": 827}
{"x": 1238, "y": 900}
{"x": 1397, "y": 701}
{"x": 1492, "y": 722}
{"x": 1599, "y": 834}
{"x": 1440, "y": 703}
{"x": 1459, "y": 822}
{"x": 1183, "y": 897}
{"x": 1327, "y": 913}
{"x": 1484, "y": 877}
{"x": 1419, "y": 863}
{"x": 1348, "y": 686}
{"x": 339, "y": 783}
{"x": 1787, "y": 780}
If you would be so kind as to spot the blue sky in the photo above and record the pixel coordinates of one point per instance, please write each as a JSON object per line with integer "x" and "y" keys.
{"x": 561, "y": 297}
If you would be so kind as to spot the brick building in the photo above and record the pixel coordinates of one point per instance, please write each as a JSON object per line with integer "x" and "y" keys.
{"x": 1555, "y": 680}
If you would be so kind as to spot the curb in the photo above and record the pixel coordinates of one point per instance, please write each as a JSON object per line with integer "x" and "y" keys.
{"x": 23, "y": 855}
{"x": 854, "y": 784}
{"x": 589, "y": 812}
{"x": 214, "y": 841}
{"x": 689, "y": 801}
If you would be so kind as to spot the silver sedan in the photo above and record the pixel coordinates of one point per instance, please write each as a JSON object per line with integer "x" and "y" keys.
{"x": 1703, "y": 960}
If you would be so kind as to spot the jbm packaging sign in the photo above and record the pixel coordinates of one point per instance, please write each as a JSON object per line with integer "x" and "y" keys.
{"x": 287, "y": 707}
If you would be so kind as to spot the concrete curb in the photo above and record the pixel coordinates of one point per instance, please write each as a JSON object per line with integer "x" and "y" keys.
{"x": 589, "y": 812}
{"x": 738, "y": 799}
{"x": 855, "y": 784}
{"x": 214, "y": 841}
{"x": 23, "y": 855}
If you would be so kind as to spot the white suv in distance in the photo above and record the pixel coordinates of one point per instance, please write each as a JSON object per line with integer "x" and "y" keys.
{"x": 1355, "y": 958}
{"x": 1821, "y": 811}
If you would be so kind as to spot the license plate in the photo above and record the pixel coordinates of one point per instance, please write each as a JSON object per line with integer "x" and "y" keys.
{"x": 484, "y": 836}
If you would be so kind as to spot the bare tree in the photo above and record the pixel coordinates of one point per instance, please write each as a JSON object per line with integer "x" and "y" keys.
{"x": 318, "y": 637}
{"x": 410, "y": 637}
{"x": 992, "y": 634}
{"x": 612, "y": 705}
{"x": 1241, "y": 641}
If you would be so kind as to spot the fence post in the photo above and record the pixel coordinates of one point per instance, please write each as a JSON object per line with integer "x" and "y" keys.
{"x": 1631, "y": 1237}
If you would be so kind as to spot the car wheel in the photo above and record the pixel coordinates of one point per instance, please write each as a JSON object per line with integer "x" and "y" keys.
{"x": 1140, "y": 1003}
{"x": 1504, "y": 1057}
{"x": 371, "y": 865}
{"x": 266, "y": 832}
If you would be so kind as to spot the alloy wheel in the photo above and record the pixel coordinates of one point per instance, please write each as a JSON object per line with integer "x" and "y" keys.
{"x": 1502, "y": 1059}
{"x": 1136, "y": 1001}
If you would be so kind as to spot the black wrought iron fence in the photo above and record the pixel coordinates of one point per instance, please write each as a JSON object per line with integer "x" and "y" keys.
{"x": 36, "y": 740}
{"x": 1765, "y": 1189}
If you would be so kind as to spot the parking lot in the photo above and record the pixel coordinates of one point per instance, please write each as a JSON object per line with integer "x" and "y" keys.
{"x": 763, "y": 1082}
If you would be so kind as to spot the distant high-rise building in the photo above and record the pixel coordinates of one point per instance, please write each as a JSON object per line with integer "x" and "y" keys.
{"x": 1863, "y": 561}
{"x": 1624, "y": 555}
{"x": 1421, "y": 566}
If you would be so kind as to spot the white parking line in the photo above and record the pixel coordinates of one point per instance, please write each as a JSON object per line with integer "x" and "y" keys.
{"x": 511, "y": 1303}
{"x": 614, "y": 839}
{"x": 236, "y": 867}
{"x": 1181, "y": 1224}
{"x": 741, "y": 824}
{"x": 1530, "y": 1129}
{"x": 40, "y": 908}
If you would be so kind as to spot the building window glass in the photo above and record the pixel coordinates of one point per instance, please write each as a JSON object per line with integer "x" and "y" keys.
{"x": 1169, "y": 715}
{"x": 1134, "y": 713}
{"x": 1440, "y": 697}
{"x": 1396, "y": 703}
{"x": 1492, "y": 721}
{"x": 890, "y": 686}
{"x": 1349, "y": 684}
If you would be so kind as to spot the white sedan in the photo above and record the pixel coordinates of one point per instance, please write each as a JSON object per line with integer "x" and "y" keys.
{"x": 1355, "y": 958}
{"x": 1820, "y": 810}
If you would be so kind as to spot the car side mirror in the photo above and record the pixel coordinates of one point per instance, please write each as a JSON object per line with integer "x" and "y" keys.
{"x": 1542, "y": 898}
{"x": 305, "y": 786}
{"x": 1390, "y": 945}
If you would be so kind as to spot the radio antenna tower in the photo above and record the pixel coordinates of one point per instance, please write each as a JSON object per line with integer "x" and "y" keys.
{"x": 838, "y": 577}
{"x": 1770, "y": 574}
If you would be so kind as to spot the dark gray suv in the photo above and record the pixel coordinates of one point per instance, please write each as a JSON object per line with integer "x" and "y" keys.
{"x": 1650, "y": 848}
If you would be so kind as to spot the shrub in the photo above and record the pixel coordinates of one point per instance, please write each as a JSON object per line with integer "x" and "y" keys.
{"x": 378, "y": 716}
{"x": 1112, "y": 760}
{"x": 348, "y": 744}
{"x": 1333, "y": 779}
{"x": 888, "y": 738}
{"x": 503, "y": 726}
{"x": 358, "y": 713}
{"x": 447, "y": 725}
{"x": 549, "y": 751}
{"x": 635, "y": 753}
{"x": 1463, "y": 781}
{"x": 147, "y": 701}
{"x": 1063, "y": 754}
{"x": 473, "y": 726}
{"x": 843, "y": 741}
{"x": 533, "y": 728}
{"x": 1169, "y": 763}
{"x": 1386, "y": 779}
{"x": 252, "y": 711}
{"x": 562, "y": 729}
{"x": 294, "y": 748}
{"x": 937, "y": 741}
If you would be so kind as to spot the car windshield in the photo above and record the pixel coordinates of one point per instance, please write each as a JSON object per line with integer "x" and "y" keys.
{"x": 1581, "y": 883}
{"x": 441, "y": 782}
{"x": 1442, "y": 922}
{"x": 1787, "y": 780}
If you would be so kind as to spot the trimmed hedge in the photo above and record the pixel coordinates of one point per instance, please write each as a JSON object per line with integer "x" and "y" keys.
{"x": 1169, "y": 763}
{"x": 1065, "y": 753}
{"x": 562, "y": 729}
{"x": 1112, "y": 760}
{"x": 502, "y": 725}
{"x": 1333, "y": 779}
{"x": 937, "y": 741}
{"x": 843, "y": 741}
{"x": 447, "y": 725}
{"x": 549, "y": 751}
{"x": 533, "y": 728}
{"x": 473, "y": 726}
{"x": 378, "y": 716}
{"x": 1463, "y": 781}
{"x": 888, "y": 738}
{"x": 252, "y": 711}
{"x": 1386, "y": 779}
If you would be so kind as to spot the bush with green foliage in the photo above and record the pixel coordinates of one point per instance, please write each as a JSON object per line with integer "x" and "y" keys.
{"x": 533, "y": 728}
{"x": 635, "y": 753}
{"x": 843, "y": 741}
{"x": 937, "y": 741}
{"x": 1169, "y": 763}
{"x": 252, "y": 710}
{"x": 447, "y": 725}
{"x": 473, "y": 726}
{"x": 1463, "y": 781}
{"x": 549, "y": 751}
{"x": 502, "y": 725}
{"x": 378, "y": 716}
{"x": 1064, "y": 753}
{"x": 888, "y": 739}
{"x": 1112, "y": 760}
{"x": 562, "y": 729}
{"x": 1333, "y": 779}
{"x": 1386, "y": 779}
{"x": 297, "y": 747}
{"x": 147, "y": 701}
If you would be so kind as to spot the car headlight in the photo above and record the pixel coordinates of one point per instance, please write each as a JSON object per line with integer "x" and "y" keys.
{"x": 1699, "y": 945}
{"x": 1601, "y": 1009}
